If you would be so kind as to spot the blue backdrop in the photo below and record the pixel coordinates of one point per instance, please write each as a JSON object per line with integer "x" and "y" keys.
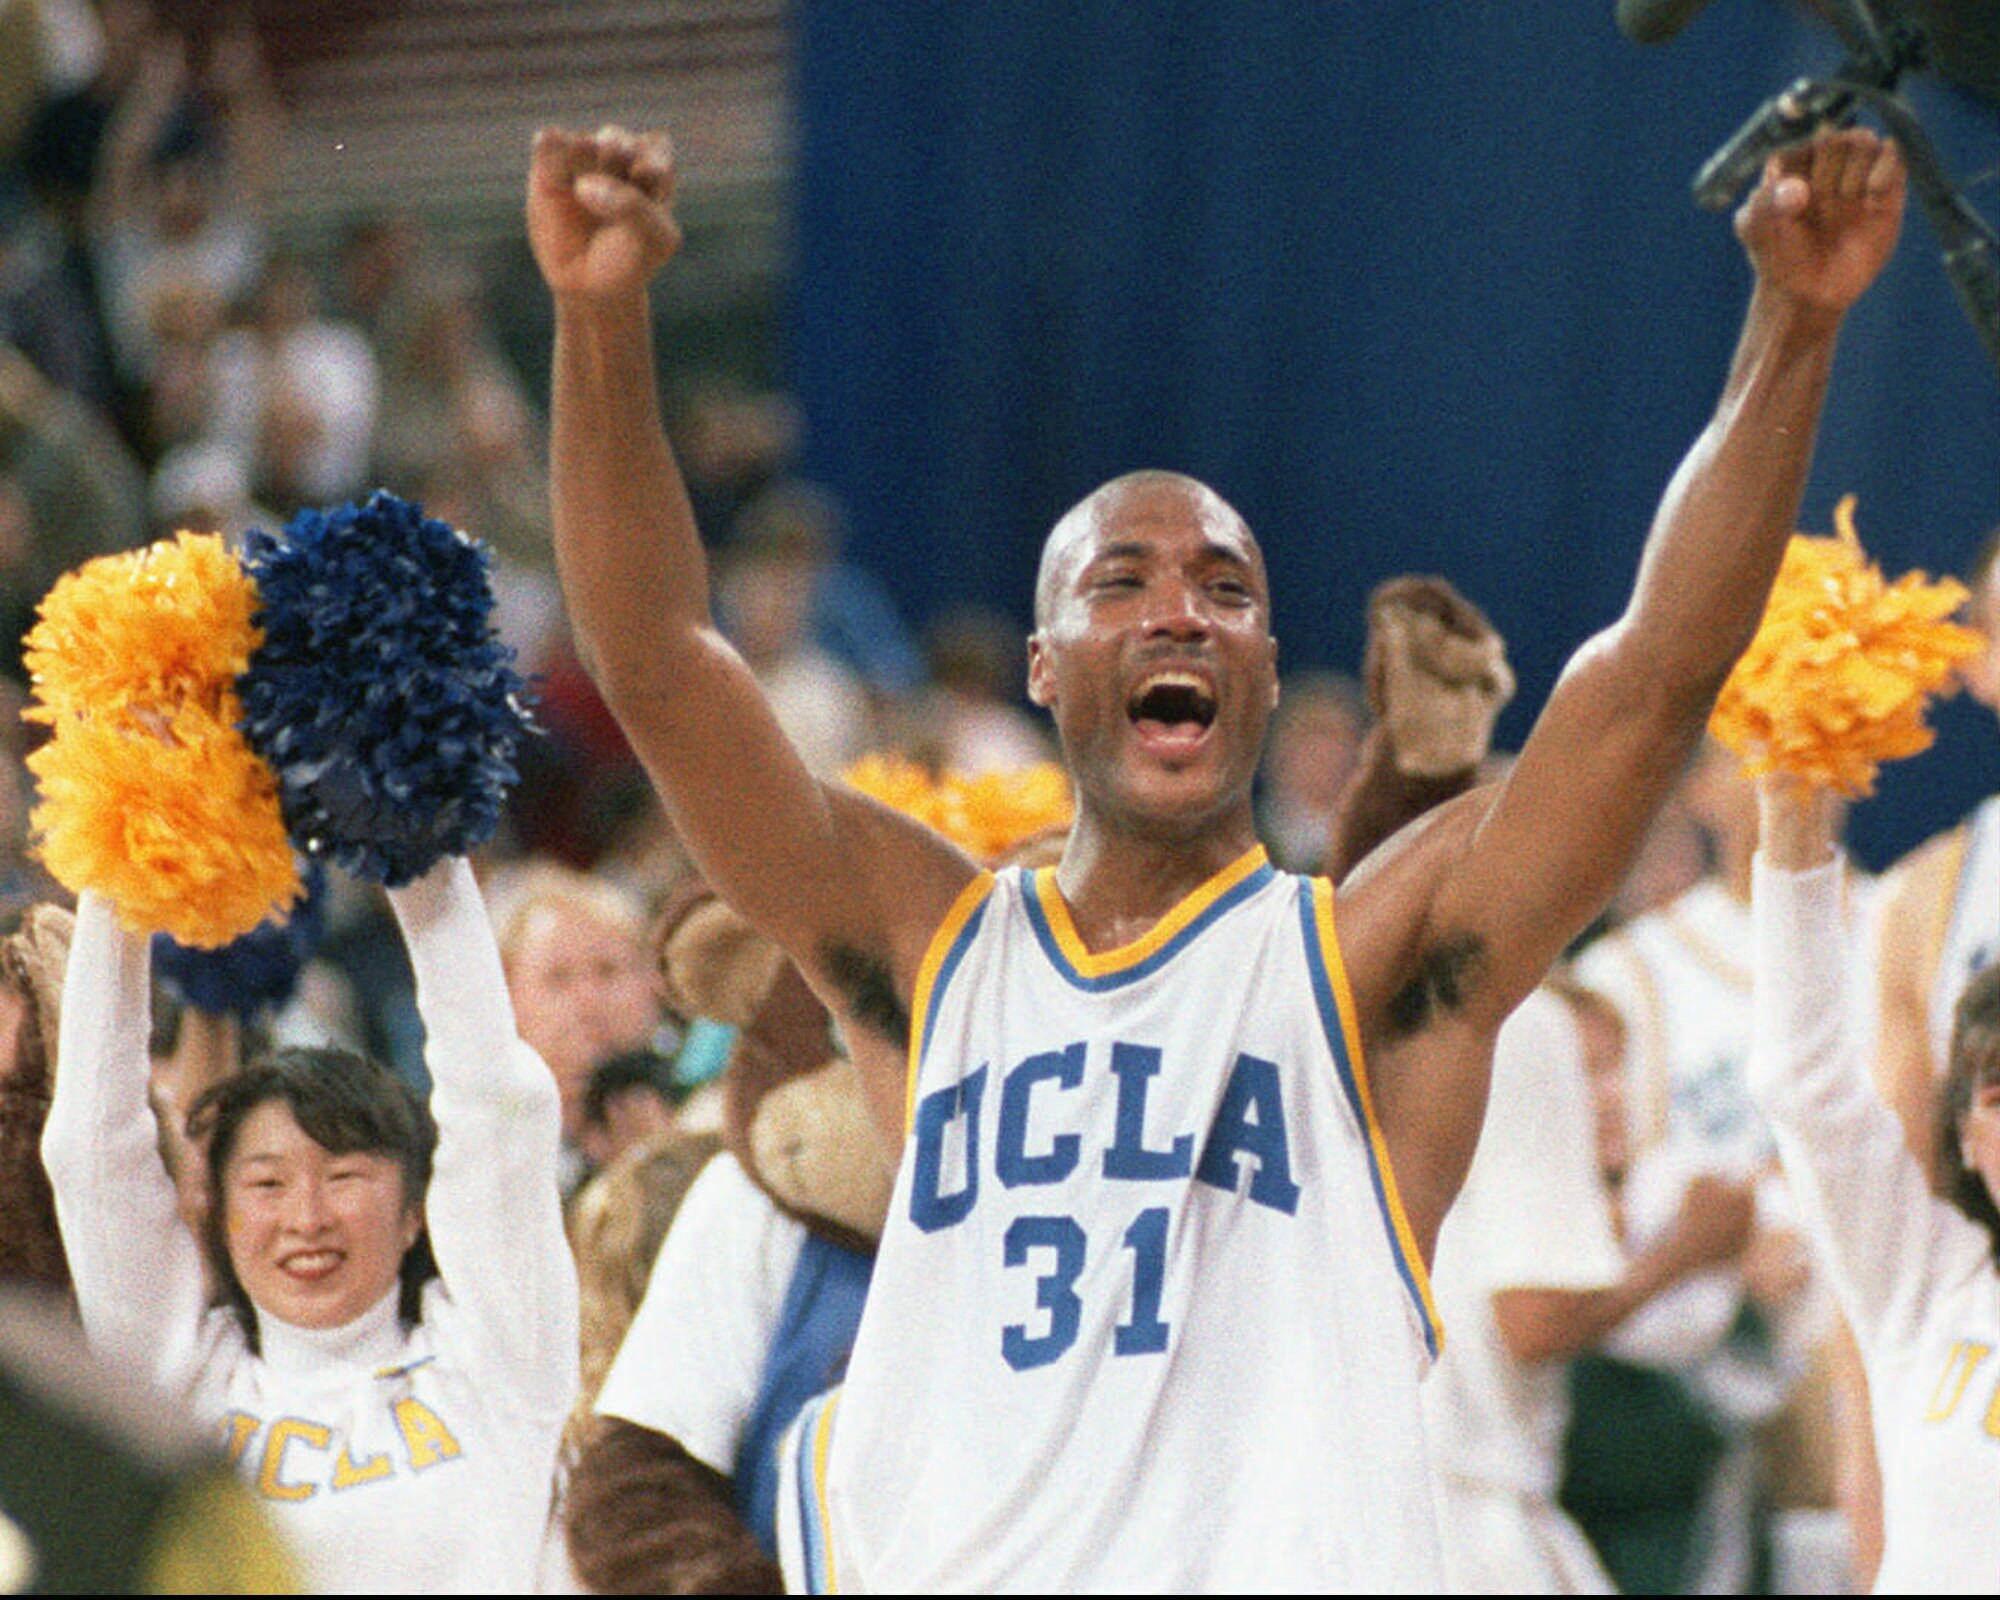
{"x": 1415, "y": 283}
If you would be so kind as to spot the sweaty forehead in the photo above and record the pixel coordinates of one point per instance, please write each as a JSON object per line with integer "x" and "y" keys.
{"x": 1141, "y": 508}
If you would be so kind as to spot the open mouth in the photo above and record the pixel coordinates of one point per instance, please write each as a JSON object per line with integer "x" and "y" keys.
{"x": 1174, "y": 707}
{"x": 310, "y": 1266}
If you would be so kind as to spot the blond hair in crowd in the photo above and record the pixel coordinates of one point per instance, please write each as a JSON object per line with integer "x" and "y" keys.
{"x": 616, "y": 1226}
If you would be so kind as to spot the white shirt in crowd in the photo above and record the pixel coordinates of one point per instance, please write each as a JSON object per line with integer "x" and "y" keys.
{"x": 1916, "y": 1278}
{"x": 693, "y": 1360}
{"x": 1533, "y": 1215}
{"x": 405, "y": 1460}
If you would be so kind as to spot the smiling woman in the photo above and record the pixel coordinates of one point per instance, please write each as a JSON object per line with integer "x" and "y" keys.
{"x": 396, "y": 1351}
{"x": 319, "y": 1161}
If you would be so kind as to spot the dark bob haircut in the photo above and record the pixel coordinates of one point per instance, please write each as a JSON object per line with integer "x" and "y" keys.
{"x": 1975, "y": 1062}
{"x": 346, "y": 1104}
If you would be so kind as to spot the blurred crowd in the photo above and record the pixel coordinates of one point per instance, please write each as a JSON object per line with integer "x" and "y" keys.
{"x": 170, "y": 360}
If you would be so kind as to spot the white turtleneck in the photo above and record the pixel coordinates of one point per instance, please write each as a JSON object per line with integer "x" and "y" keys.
{"x": 415, "y": 1459}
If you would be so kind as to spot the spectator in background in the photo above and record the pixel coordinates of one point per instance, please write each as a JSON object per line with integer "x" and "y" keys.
{"x": 295, "y": 393}
{"x": 180, "y": 197}
{"x": 851, "y": 617}
{"x": 68, "y": 490}
{"x": 969, "y": 720}
{"x": 177, "y": 405}
{"x": 1314, "y": 745}
{"x": 380, "y": 261}
{"x": 453, "y": 411}
{"x": 1741, "y": 1344}
{"x": 582, "y": 984}
{"x": 63, "y": 147}
{"x": 732, "y": 443}
{"x": 1531, "y": 1270}
{"x": 44, "y": 311}
{"x": 625, "y": 1103}
{"x": 770, "y": 578}
{"x": 203, "y": 487}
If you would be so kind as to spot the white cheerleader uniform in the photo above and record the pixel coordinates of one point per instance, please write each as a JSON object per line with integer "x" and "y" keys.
{"x": 1147, "y": 1315}
{"x": 393, "y": 1459}
{"x": 1915, "y": 1276}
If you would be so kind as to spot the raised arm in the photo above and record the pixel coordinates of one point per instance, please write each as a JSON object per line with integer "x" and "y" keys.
{"x": 1437, "y": 678}
{"x": 494, "y": 1213}
{"x": 851, "y": 890}
{"x": 1469, "y": 920}
{"x": 136, "y": 1269}
{"x": 1865, "y": 1198}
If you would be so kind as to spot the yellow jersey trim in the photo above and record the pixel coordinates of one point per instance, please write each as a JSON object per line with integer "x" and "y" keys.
{"x": 822, "y": 1447}
{"x": 969, "y": 900}
{"x": 1056, "y": 911}
{"x": 1350, "y": 1027}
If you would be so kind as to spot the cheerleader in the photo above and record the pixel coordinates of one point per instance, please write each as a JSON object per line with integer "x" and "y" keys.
{"x": 396, "y": 1353}
{"x": 1917, "y": 1271}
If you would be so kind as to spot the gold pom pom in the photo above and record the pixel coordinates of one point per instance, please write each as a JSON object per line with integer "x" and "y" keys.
{"x": 898, "y": 782}
{"x": 178, "y": 829}
{"x": 991, "y": 813}
{"x": 153, "y": 629}
{"x": 148, "y": 794}
{"x": 985, "y": 815}
{"x": 1843, "y": 665}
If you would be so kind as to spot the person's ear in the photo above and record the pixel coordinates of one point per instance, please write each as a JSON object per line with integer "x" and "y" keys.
{"x": 1041, "y": 674}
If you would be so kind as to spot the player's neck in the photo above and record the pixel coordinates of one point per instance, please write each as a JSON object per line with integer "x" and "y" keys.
{"x": 1117, "y": 884}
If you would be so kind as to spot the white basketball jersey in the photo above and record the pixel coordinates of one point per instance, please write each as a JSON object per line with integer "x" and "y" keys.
{"x": 1972, "y": 936}
{"x": 1146, "y": 1314}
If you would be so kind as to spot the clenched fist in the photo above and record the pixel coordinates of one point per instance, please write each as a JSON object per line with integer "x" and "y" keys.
{"x": 600, "y": 210}
{"x": 1824, "y": 220}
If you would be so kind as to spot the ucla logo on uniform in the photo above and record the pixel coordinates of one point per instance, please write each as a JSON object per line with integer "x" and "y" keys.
{"x": 1034, "y": 1145}
{"x": 1249, "y": 1122}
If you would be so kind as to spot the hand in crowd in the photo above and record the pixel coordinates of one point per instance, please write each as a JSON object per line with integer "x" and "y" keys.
{"x": 1776, "y": 1266}
{"x": 1824, "y": 220}
{"x": 1715, "y": 1221}
{"x": 600, "y": 210}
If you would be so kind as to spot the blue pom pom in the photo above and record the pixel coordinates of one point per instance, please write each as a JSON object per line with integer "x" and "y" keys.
{"x": 248, "y": 975}
{"x": 381, "y": 696}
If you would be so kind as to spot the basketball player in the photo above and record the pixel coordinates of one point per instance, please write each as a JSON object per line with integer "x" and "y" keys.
{"x": 1941, "y": 913}
{"x": 1150, "y": 1308}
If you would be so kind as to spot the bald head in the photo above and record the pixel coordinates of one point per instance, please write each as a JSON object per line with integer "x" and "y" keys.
{"x": 1076, "y": 534}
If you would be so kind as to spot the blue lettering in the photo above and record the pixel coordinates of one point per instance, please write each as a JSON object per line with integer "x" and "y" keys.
{"x": 1015, "y": 1166}
{"x": 936, "y": 1112}
{"x": 1055, "y": 1290}
{"x": 1136, "y": 1066}
{"x": 1251, "y": 1121}
{"x": 1145, "y": 1334}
